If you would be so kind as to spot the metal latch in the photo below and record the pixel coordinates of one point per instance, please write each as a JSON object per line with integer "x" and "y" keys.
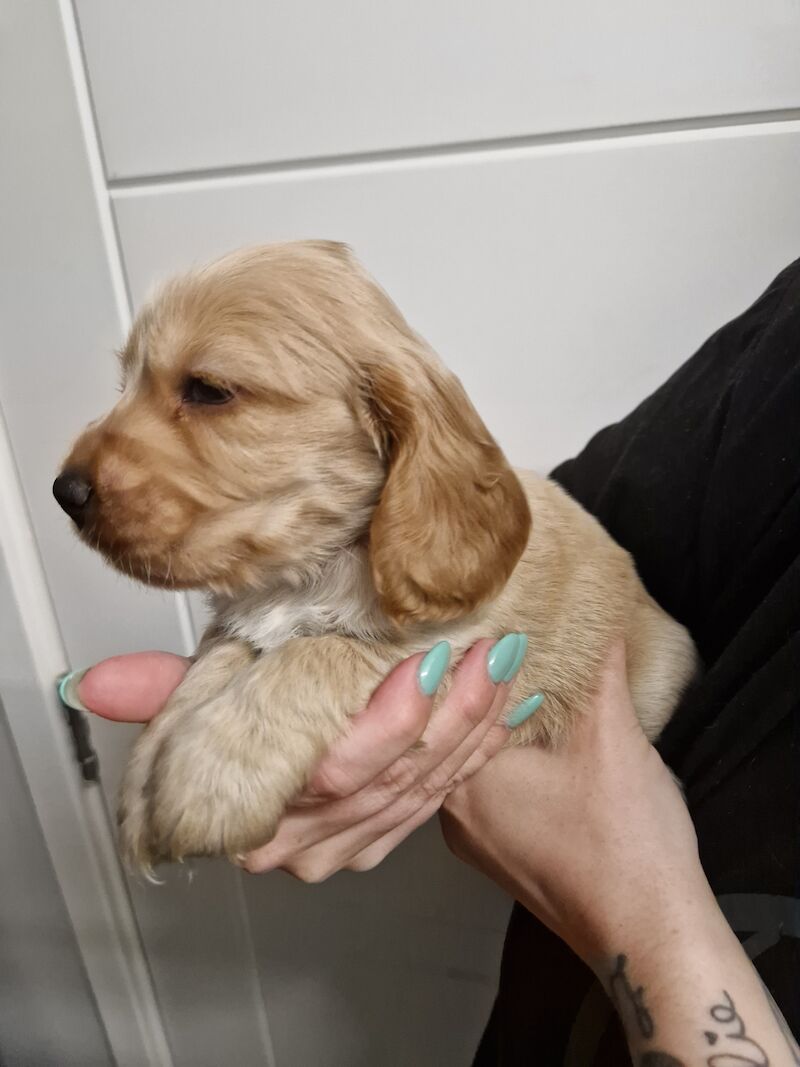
{"x": 78, "y": 726}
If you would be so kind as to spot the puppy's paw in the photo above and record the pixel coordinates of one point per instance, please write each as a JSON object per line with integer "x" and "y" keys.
{"x": 211, "y": 791}
{"x": 134, "y": 799}
{"x": 212, "y": 780}
{"x": 213, "y": 773}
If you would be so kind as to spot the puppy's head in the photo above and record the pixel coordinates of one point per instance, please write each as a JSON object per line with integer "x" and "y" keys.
{"x": 276, "y": 408}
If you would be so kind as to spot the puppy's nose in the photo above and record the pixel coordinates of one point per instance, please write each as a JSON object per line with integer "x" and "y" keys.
{"x": 73, "y": 490}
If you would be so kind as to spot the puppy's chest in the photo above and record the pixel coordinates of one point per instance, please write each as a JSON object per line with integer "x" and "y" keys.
{"x": 338, "y": 603}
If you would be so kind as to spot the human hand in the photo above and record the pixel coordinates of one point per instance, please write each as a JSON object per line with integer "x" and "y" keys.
{"x": 593, "y": 838}
{"x": 386, "y": 777}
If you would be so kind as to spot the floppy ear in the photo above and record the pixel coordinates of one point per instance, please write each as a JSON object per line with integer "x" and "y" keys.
{"x": 452, "y": 520}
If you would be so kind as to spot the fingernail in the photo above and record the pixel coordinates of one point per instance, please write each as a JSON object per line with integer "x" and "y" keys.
{"x": 523, "y": 711}
{"x": 68, "y": 690}
{"x": 433, "y": 667}
{"x": 520, "y": 656}
{"x": 501, "y": 657}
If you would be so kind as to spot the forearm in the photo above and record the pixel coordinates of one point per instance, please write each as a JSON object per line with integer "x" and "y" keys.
{"x": 688, "y": 995}
{"x": 594, "y": 838}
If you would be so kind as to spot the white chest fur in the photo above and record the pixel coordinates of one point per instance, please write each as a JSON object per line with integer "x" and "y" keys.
{"x": 339, "y": 598}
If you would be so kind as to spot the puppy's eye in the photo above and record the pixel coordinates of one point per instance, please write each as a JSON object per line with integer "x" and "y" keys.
{"x": 199, "y": 391}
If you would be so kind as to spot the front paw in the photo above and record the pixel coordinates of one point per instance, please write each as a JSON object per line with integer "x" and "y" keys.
{"x": 212, "y": 780}
{"x": 214, "y": 772}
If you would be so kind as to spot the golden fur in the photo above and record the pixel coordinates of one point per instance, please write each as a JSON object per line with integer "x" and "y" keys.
{"x": 345, "y": 508}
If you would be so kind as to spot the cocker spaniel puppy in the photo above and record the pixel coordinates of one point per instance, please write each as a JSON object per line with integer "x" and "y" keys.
{"x": 285, "y": 441}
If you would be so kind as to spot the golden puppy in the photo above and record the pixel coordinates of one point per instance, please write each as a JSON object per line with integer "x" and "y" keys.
{"x": 285, "y": 441}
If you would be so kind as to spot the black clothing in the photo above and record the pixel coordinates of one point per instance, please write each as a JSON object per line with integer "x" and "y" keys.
{"x": 701, "y": 483}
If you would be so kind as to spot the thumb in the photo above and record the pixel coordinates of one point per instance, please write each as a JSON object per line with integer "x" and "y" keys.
{"x": 130, "y": 688}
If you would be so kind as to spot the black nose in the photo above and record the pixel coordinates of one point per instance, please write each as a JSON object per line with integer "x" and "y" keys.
{"x": 73, "y": 491}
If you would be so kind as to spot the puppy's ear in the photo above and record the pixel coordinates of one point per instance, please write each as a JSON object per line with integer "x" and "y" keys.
{"x": 453, "y": 520}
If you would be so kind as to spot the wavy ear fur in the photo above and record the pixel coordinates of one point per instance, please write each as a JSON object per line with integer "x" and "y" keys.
{"x": 452, "y": 520}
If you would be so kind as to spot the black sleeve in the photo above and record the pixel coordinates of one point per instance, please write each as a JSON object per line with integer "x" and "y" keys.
{"x": 701, "y": 484}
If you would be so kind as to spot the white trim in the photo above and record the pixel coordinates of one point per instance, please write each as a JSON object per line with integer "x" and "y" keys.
{"x": 256, "y": 988}
{"x": 497, "y": 150}
{"x": 186, "y": 622}
{"x": 94, "y": 159}
{"x": 72, "y": 813}
{"x": 108, "y": 226}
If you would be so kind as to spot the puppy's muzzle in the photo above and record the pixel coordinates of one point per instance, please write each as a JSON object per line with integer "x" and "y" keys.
{"x": 73, "y": 491}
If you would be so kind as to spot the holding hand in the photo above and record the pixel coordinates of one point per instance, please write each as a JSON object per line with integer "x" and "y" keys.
{"x": 593, "y": 838}
{"x": 579, "y": 834}
{"x": 390, "y": 773}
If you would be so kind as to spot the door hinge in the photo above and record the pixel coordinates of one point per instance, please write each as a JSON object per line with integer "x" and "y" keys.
{"x": 85, "y": 755}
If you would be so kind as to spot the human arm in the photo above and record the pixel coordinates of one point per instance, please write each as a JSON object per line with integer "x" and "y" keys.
{"x": 595, "y": 840}
{"x": 389, "y": 774}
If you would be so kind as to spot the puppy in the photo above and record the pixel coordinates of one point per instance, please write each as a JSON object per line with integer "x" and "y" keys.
{"x": 285, "y": 441}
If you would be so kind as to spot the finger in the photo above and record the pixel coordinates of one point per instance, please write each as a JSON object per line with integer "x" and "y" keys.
{"x": 375, "y": 853}
{"x": 302, "y": 828}
{"x": 468, "y": 712}
{"x": 131, "y": 688}
{"x": 470, "y": 754}
{"x": 454, "y": 732}
{"x": 467, "y": 704}
{"x": 458, "y": 729}
{"x": 326, "y": 839}
{"x": 392, "y": 722}
{"x": 495, "y": 739}
{"x": 337, "y": 853}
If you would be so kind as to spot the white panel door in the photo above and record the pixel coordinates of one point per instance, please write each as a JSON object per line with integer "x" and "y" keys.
{"x": 561, "y": 280}
{"x": 194, "y": 84}
{"x": 60, "y": 319}
{"x": 562, "y": 283}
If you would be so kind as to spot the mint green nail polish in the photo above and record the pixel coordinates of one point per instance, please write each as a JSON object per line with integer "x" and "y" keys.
{"x": 433, "y": 667}
{"x": 523, "y": 711}
{"x": 501, "y": 657}
{"x": 520, "y": 656}
{"x": 68, "y": 690}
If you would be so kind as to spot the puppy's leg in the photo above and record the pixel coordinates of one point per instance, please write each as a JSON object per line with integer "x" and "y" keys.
{"x": 217, "y": 779}
{"x": 216, "y": 666}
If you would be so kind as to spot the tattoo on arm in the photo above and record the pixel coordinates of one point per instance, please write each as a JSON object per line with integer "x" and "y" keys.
{"x": 629, "y": 1001}
{"x": 725, "y": 1034}
{"x": 635, "y": 1015}
{"x": 729, "y": 1038}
